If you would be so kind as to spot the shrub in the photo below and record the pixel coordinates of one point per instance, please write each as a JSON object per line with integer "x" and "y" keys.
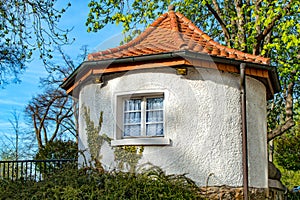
{"x": 89, "y": 183}
{"x": 58, "y": 149}
{"x": 293, "y": 196}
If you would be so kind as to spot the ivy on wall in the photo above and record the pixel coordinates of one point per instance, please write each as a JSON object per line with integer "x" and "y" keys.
{"x": 94, "y": 139}
{"x": 126, "y": 157}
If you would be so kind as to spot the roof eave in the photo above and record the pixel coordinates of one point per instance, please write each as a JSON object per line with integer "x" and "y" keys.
{"x": 131, "y": 59}
{"x": 175, "y": 54}
{"x": 271, "y": 69}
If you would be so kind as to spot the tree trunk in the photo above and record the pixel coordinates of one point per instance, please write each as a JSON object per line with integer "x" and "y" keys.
{"x": 289, "y": 122}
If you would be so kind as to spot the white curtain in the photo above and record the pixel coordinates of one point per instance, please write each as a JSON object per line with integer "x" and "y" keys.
{"x": 154, "y": 116}
{"x": 132, "y": 117}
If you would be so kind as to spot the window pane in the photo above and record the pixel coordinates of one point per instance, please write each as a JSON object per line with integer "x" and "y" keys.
{"x": 154, "y": 116}
{"x": 132, "y": 104}
{"x": 155, "y": 103}
{"x": 155, "y": 130}
{"x": 132, "y": 130}
{"x": 143, "y": 116}
{"x": 132, "y": 117}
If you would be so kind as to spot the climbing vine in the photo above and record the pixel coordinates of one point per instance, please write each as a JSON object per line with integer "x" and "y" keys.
{"x": 94, "y": 139}
{"x": 127, "y": 157}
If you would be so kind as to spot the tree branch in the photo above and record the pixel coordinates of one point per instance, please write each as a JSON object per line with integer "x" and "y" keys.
{"x": 270, "y": 26}
{"x": 289, "y": 122}
{"x": 281, "y": 129}
{"x": 241, "y": 25}
{"x": 218, "y": 17}
{"x": 289, "y": 99}
{"x": 60, "y": 117}
{"x": 36, "y": 129}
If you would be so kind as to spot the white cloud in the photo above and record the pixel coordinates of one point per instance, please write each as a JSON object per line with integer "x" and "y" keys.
{"x": 5, "y": 127}
{"x": 4, "y": 124}
{"x": 11, "y": 102}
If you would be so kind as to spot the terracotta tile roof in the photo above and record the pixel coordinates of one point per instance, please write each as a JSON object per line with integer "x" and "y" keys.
{"x": 171, "y": 32}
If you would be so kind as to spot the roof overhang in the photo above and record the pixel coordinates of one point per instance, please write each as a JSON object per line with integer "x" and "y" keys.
{"x": 265, "y": 73}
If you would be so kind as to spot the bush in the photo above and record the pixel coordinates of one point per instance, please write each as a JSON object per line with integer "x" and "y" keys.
{"x": 90, "y": 184}
{"x": 289, "y": 178}
{"x": 287, "y": 151}
{"x": 293, "y": 196}
{"x": 58, "y": 149}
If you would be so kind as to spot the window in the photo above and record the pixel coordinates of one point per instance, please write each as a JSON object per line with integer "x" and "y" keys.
{"x": 140, "y": 119}
{"x": 143, "y": 116}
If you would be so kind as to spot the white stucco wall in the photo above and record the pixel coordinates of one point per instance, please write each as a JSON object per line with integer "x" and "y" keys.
{"x": 257, "y": 132}
{"x": 202, "y": 119}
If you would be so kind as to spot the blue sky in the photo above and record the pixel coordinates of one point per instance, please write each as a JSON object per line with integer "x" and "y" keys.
{"x": 15, "y": 96}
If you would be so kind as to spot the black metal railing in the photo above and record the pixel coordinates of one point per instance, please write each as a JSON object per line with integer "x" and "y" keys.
{"x": 35, "y": 170}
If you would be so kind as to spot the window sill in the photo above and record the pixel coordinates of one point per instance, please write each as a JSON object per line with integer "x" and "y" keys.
{"x": 158, "y": 141}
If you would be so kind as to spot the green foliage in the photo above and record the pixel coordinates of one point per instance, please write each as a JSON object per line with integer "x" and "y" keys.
{"x": 287, "y": 154}
{"x": 287, "y": 151}
{"x": 287, "y": 158}
{"x": 127, "y": 157}
{"x": 290, "y": 179}
{"x": 293, "y": 196}
{"x": 284, "y": 48}
{"x": 58, "y": 149}
{"x": 55, "y": 150}
{"x": 240, "y": 26}
{"x": 25, "y": 27}
{"x": 135, "y": 14}
{"x": 106, "y": 12}
{"x": 90, "y": 184}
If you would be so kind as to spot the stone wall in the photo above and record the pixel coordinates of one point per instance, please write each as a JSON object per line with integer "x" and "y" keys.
{"x": 230, "y": 193}
{"x": 277, "y": 191}
{"x": 236, "y": 193}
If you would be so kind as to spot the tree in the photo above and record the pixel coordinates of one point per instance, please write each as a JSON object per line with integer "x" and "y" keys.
{"x": 287, "y": 152}
{"x": 53, "y": 114}
{"x": 15, "y": 145}
{"x": 15, "y": 125}
{"x": 58, "y": 149}
{"x": 260, "y": 27}
{"x": 27, "y": 26}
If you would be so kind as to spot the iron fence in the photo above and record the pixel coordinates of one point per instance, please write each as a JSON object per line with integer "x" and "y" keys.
{"x": 35, "y": 170}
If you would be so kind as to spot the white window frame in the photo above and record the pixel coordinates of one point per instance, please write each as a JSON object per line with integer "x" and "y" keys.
{"x": 143, "y": 139}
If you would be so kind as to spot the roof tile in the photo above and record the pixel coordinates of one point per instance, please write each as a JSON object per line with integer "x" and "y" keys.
{"x": 172, "y": 31}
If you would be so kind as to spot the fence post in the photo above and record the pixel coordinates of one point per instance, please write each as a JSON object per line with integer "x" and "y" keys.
{"x": 11, "y": 169}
